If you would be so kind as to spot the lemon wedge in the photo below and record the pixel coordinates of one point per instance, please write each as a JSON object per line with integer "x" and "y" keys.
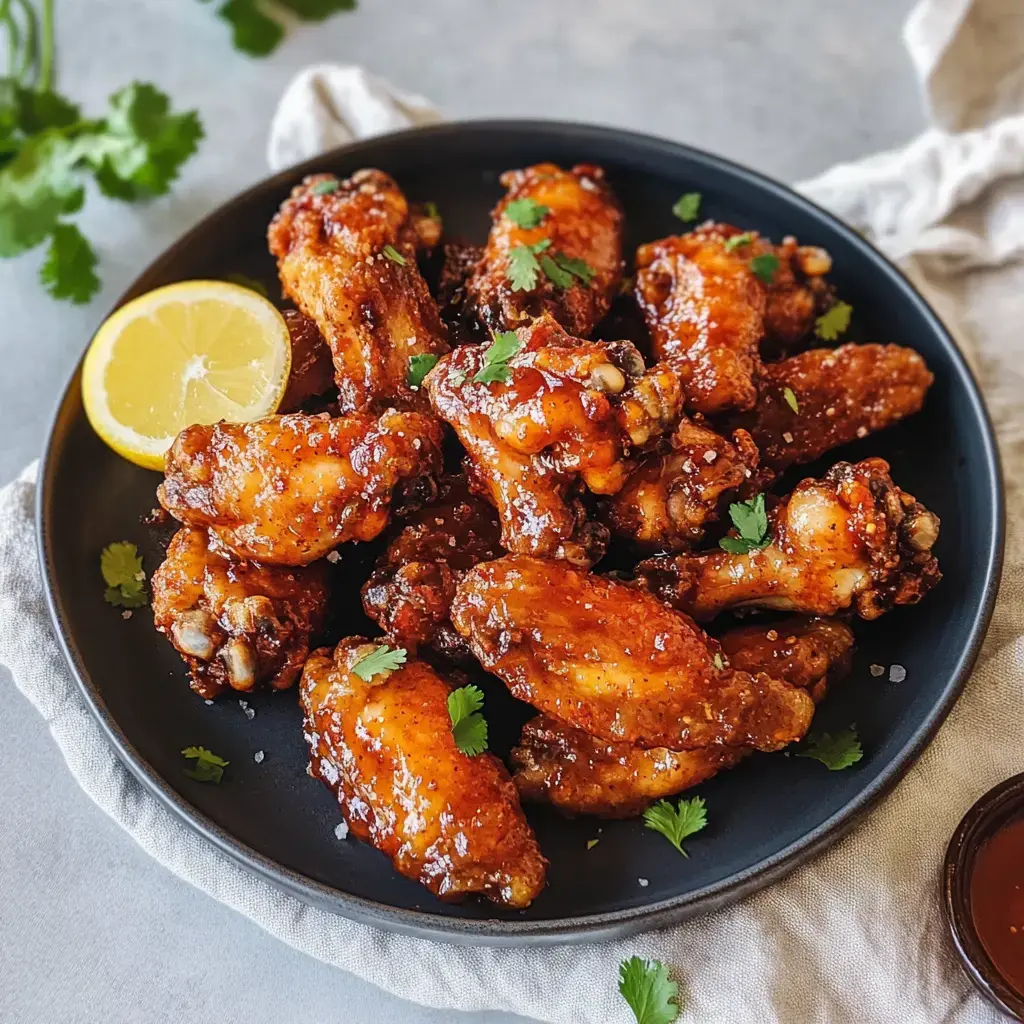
{"x": 195, "y": 352}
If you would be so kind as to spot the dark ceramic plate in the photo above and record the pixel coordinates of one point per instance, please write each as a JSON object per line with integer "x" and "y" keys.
{"x": 767, "y": 816}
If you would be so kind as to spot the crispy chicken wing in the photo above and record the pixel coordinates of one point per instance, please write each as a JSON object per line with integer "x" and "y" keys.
{"x": 798, "y": 293}
{"x": 566, "y": 411}
{"x": 450, "y": 821}
{"x": 410, "y": 593}
{"x": 346, "y": 255}
{"x": 840, "y": 394}
{"x": 312, "y": 371}
{"x": 611, "y": 659}
{"x": 583, "y": 222}
{"x": 287, "y": 489}
{"x": 237, "y": 624}
{"x": 850, "y": 540}
{"x": 677, "y": 489}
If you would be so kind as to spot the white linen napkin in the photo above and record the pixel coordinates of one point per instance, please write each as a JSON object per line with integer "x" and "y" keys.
{"x": 855, "y": 936}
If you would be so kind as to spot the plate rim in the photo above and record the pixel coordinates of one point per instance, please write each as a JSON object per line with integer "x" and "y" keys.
{"x": 587, "y": 927}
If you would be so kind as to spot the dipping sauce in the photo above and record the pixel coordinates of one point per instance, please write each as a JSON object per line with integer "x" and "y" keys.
{"x": 997, "y": 900}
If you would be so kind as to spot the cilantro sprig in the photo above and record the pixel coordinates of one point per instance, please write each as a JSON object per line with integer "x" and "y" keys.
{"x": 676, "y": 823}
{"x": 121, "y": 566}
{"x": 651, "y": 994}
{"x": 209, "y": 767}
{"x": 790, "y": 397}
{"x": 526, "y": 212}
{"x": 524, "y": 269}
{"x": 833, "y": 322}
{"x": 391, "y": 253}
{"x": 687, "y": 207}
{"x": 383, "y": 659}
{"x": 751, "y": 521}
{"x": 469, "y": 727}
{"x": 765, "y": 266}
{"x": 737, "y": 240}
{"x": 419, "y": 366}
{"x": 257, "y": 33}
{"x": 504, "y": 346}
{"x": 835, "y": 752}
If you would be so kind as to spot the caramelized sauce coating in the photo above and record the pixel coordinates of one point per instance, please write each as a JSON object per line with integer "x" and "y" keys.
{"x": 288, "y": 489}
{"x": 798, "y": 295}
{"x": 312, "y": 371}
{"x": 607, "y": 658}
{"x": 447, "y": 820}
{"x": 237, "y": 624}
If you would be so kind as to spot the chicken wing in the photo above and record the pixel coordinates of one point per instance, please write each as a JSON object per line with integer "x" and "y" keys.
{"x": 852, "y": 539}
{"x": 607, "y": 658}
{"x": 580, "y": 774}
{"x": 346, "y": 254}
{"x": 312, "y": 371}
{"x": 237, "y": 624}
{"x": 288, "y": 489}
{"x": 798, "y": 293}
{"x": 839, "y": 395}
{"x": 557, "y": 412}
{"x": 578, "y": 219}
{"x": 450, "y": 821}
{"x": 410, "y": 593}
{"x": 677, "y": 489}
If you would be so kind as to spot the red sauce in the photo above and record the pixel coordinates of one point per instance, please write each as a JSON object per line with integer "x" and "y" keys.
{"x": 997, "y": 900}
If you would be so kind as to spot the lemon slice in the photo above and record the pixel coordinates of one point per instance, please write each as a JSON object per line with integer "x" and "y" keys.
{"x": 195, "y": 352}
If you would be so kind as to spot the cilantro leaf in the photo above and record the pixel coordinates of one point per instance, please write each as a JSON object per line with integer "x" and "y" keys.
{"x": 121, "y": 566}
{"x": 69, "y": 269}
{"x": 676, "y": 823}
{"x": 244, "y": 281}
{"x": 326, "y": 187}
{"x": 523, "y": 267}
{"x": 651, "y": 995}
{"x": 751, "y": 522}
{"x": 209, "y": 767}
{"x": 35, "y": 111}
{"x": 591, "y": 843}
{"x": 557, "y": 275}
{"x": 833, "y": 322}
{"x": 764, "y": 266}
{"x": 504, "y": 346}
{"x": 687, "y": 206}
{"x": 578, "y": 268}
{"x": 256, "y": 33}
{"x": 431, "y": 210}
{"x": 469, "y": 727}
{"x": 394, "y": 255}
{"x": 317, "y": 10}
{"x": 383, "y": 659}
{"x": 834, "y": 752}
{"x": 737, "y": 240}
{"x": 526, "y": 213}
{"x": 419, "y": 366}
{"x": 790, "y": 396}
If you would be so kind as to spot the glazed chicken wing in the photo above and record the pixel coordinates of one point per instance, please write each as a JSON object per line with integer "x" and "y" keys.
{"x": 450, "y": 821}
{"x": 288, "y": 489}
{"x": 312, "y": 371}
{"x": 346, "y": 254}
{"x": 410, "y": 593}
{"x": 237, "y": 624}
{"x": 580, "y": 774}
{"x": 840, "y": 394}
{"x": 798, "y": 293}
{"x": 677, "y": 489}
{"x": 577, "y": 219}
{"x": 607, "y": 658}
{"x": 850, "y": 540}
{"x": 556, "y": 413}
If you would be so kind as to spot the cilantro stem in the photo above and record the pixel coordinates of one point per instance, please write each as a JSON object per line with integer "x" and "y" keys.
{"x": 46, "y": 51}
{"x": 14, "y": 51}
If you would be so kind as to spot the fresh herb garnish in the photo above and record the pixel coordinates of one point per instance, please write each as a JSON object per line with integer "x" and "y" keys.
{"x": 651, "y": 994}
{"x": 526, "y": 213}
{"x": 576, "y": 267}
{"x": 737, "y": 240}
{"x": 751, "y": 522}
{"x": 419, "y": 366}
{"x": 383, "y": 659}
{"x": 256, "y": 33}
{"x": 718, "y": 661}
{"x": 391, "y": 253}
{"x": 209, "y": 767}
{"x": 790, "y": 397}
{"x": 834, "y": 752}
{"x": 765, "y": 265}
{"x": 833, "y": 322}
{"x": 469, "y": 727}
{"x": 687, "y": 207}
{"x": 326, "y": 187}
{"x": 523, "y": 267}
{"x": 431, "y": 210}
{"x": 676, "y": 823}
{"x": 505, "y": 345}
{"x": 121, "y": 565}
{"x": 557, "y": 275}
{"x": 591, "y": 843}
{"x": 244, "y": 281}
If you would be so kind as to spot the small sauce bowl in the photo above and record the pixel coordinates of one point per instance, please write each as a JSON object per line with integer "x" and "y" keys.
{"x": 983, "y": 895}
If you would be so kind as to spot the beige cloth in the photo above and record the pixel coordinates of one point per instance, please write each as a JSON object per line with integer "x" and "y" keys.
{"x": 856, "y": 936}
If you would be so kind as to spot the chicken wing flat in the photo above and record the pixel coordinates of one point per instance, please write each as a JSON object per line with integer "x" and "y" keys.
{"x": 607, "y": 658}
{"x": 677, "y": 489}
{"x": 312, "y": 371}
{"x": 558, "y": 412}
{"x": 410, "y": 593}
{"x": 576, "y": 222}
{"x": 840, "y": 394}
{"x": 286, "y": 490}
{"x": 580, "y": 774}
{"x": 450, "y": 821}
{"x": 237, "y": 624}
{"x": 852, "y": 539}
{"x": 346, "y": 254}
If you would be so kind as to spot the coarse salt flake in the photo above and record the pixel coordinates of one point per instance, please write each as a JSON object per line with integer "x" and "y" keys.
{"x": 258, "y": 757}
{"x": 876, "y": 670}
{"x": 710, "y": 457}
{"x": 333, "y": 557}
{"x": 644, "y": 882}
{"x": 787, "y": 437}
{"x": 341, "y": 830}
{"x": 126, "y": 614}
{"x": 897, "y": 673}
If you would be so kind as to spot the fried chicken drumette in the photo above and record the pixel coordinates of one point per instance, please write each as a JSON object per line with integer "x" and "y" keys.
{"x": 346, "y": 254}
{"x": 237, "y": 624}
{"x": 385, "y": 746}
{"x": 286, "y": 490}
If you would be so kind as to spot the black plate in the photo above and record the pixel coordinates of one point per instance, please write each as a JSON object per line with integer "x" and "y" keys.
{"x": 767, "y": 816}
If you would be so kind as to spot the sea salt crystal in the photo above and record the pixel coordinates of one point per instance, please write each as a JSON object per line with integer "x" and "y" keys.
{"x": 208, "y": 702}
{"x": 897, "y": 673}
{"x": 876, "y": 670}
{"x": 787, "y": 437}
{"x": 258, "y": 757}
{"x": 341, "y": 830}
{"x": 126, "y": 614}
{"x": 250, "y": 713}
{"x": 644, "y": 882}
{"x": 333, "y": 557}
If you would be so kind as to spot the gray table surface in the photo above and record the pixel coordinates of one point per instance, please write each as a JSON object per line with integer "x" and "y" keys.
{"x": 91, "y": 929}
